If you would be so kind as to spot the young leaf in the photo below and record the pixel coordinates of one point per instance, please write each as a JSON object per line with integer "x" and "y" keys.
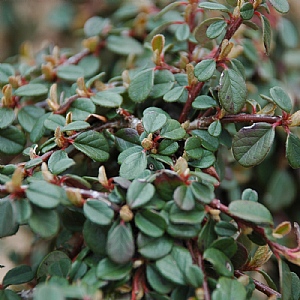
{"x": 139, "y": 193}
{"x": 98, "y": 212}
{"x": 281, "y": 6}
{"x": 252, "y": 144}
{"x": 281, "y": 98}
{"x": 31, "y": 90}
{"x": 233, "y": 91}
{"x": 293, "y": 150}
{"x": 107, "y": 99}
{"x": 120, "y": 244}
{"x": 141, "y": 85}
{"x": 205, "y": 69}
{"x": 12, "y": 140}
{"x": 267, "y": 33}
{"x": 93, "y": 144}
{"x": 153, "y": 121}
{"x": 133, "y": 165}
{"x": 251, "y": 211}
{"x": 7, "y": 116}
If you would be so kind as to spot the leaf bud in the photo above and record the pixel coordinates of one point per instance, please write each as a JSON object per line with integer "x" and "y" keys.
{"x": 47, "y": 175}
{"x": 91, "y": 43}
{"x": 295, "y": 119}
{"x": 126, "y": 214}
{"x": 7, "y": 100}
{"x": 74, "y": 196}
{"x": 16, "y": 180}
{"x": 200, "y": 294}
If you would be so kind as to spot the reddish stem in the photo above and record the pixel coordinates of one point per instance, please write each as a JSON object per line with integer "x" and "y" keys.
{"x": 66, "y": 105}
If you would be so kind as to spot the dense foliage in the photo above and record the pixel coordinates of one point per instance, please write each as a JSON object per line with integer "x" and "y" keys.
{"x": 123, "y": 155}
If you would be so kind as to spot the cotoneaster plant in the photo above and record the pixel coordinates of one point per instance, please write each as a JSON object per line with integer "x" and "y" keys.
{"x": 120, "y": 156}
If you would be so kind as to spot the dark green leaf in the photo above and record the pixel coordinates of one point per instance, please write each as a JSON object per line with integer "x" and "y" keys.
{"x": 247, "y": 11}
{"x": 202, "y": 192}
{"x": 107, "y": 99}
{"x": 179, "y": 216}
{"x": 228, "y": 289}
{"x": 81, "y": 108}
{"x": 60, "y": 268}
{"x": 295, "y": 286}
{"x": 194, "y": 276}
{"x": 153, "y": 121}
{"x": 154, "y": 248}
{"x": 252, "y": 144}
{"x": 49, "y": 292}
{"x": 167, "y": 147}
{"x": 109, "y": 270}
{"x": 93, "y": 144}
{"x": 9, "y": 295}
{"x": 215, "y": 128}
{"x": 44, "y": 194}
{"x": 233, "y": 91}
{"x": 12, "y": 140}
{"x": 59, "y": 162}
{"x": 184, "y": 198}
{"x": 139, "y": 193}
{"x": 193, "y": 148}
{"x": 285, "y": 280}
{"x": 293, "y": 150}
{"x": 208, "y": 141}
{"x": 227, "y": 245}
{"x": 44, "y": 222}
{"x": 70, "y": 72}
{"x": 215, "y": 29}
{"x": 124, "y": 154}
{"x": 8, "y": 222}
{"x": 141, "y": 85}
{"x": 207, "y": 159}
{"x": 150, "y": 222}
{"x": 90, "y": 65}
{"x": 7, "y": 116}
{"x": 133, "y": 165}
{"x": 281, "y": 98}
{"x": 164, "y": 80}
{"x": 183, "y": 231}
{"x": 281, "y": 6}
{"x": 213, "y": 6}
{"x": 38, "y": 129}
{"x": 28, "y": 115}
{"x": 205, "y": 69}
{"x": 75, "y": 126}
{"x": 120, "y": 244}
{"x": 176, "y": 94}
{"x": 33, "y": 163}
{"x": 98, "y": 212}
{"x": 31, "y": 90}
{"x": 124, "y": 45}
{"x": 53, "y": 121}
{"x": 223, "y": 228}
{"x": 172, "y": 130}
{"x": 204, "y": 102}
{"x": 23, "y": 211}
{"x": 251, "y": 211}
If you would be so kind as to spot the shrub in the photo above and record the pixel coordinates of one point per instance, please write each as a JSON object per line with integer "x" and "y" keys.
{"x": 122, "y": 155}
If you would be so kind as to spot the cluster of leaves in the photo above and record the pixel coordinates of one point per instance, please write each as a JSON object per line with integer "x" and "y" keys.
{"x": 125, "y": 144}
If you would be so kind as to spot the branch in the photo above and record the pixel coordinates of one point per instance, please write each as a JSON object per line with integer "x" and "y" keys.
{"x": 75, "y": 59}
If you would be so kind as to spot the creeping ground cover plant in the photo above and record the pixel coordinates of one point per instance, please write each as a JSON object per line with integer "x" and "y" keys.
{"x": 120, "y": 158}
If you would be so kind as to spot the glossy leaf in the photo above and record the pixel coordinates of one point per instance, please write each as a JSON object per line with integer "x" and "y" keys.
{"x": 31, "y": 90}
{"x": 220, "y": 261}
{"x": 215, "y": 128}
{"x": 93, "y": 144}
{"x": 7, "y": 116}
{"x": 233, "y": 91}
{"x": 205, "y": 69}
{"x": 107, "y": 99}
{"x": 179, "y": 216}
{"x": 98, "y": 212}
{"x": 293, "y": 150}
{"x": 8, "y": 295}
{"x": 120, "y": 244}
{"x": 167, "y": 147}
{"x": 12, "y": 140}
{"x": 251, "y": 211}
{"x": 193, "y": 147}
{"x": 252, "y": 144}
{"x": 164, "y": 80}
{"x": 281, "y": 98}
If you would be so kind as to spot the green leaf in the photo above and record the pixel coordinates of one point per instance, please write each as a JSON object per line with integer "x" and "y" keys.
{"x": 76, "y": 126}
{"x": 208, "y": 141}
{"x": 7, "y": 116}
{"x": 295, "y": 286}
{"x": 182, "y": 32}
{"x": 194, "y": 276}
{"x": 179, "y": 216}
{"x": 247, "y": 11}
{"x": 139, "y": 193}
{"x": 107, "y": 99}
{"x": 59, "y": 162}
{"x": 31, "y": 90}
{"x": 281, "y": 6}
{"x": 33, "y": 163}
{"x": 293, "y": 150}
{"x": 38, "y": 129}
{"x": 167, "y": 8}
{"x": 249, "y": 194}
{"x": 141, "y": 85}
{"x": 44, "y": 194}
{"x": 207, "y": 159}
{"x": 124, "y": 45}
{"x": 285, "y": 280}
{"x": 8, "y": 295}
{"x": 164, "y": 80}
{"x": 184, "y": 198}
{"x": 93, "y": 144}
{"x": 228, "y": 289}
{"x": 6, "y": 70}
{"x": 109, "y": 270}
{"x": 81, "y": 108}
{"x": 53, "y": 121}
{"x": 252, "y": 144}
{"x": 215, "y": 128}
{"x": 205, "y": 69}
{"x": 227, "y": 245}
{"x": 49, "y": 292}
{"x": 153, "y": 121}
{"x": 224, "y": 228}
{"x": 60, "y": 268}
{"x": 167, "y": 147}
{"x": 267, "y": 33}
{"x": 133, "y": 165}
{"x": 202, "y": 192}
{"x": 172, "y": 130}
{"x": 204, "y": 102}
{"x": 120, "y": 244}
{"x": 28, "y": 115}
{"x": 176, "y": 94}
{"x": 94, "y": 26}
{"x": 281, "y": 98}
{"x": 44, "y": 222}
{"x": 233, "y": 91}
{"x": 193, "y": 148}
{"x": 213, "y": 6}
{"x": 216, "y": 29}
{"x": 69, "y": 72}
{"x": 23, "y": 211}
{"x": 251, "y": 211}
{"x": 124, "y": 154}
{"x": 154, "y": 248}
{"x": 8, "y": 222}
{"x": 12, "y": 140}
{"x": 53, "y": 257}
{"x": 150, "y": 222}
{"x": 98, "y": 212}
